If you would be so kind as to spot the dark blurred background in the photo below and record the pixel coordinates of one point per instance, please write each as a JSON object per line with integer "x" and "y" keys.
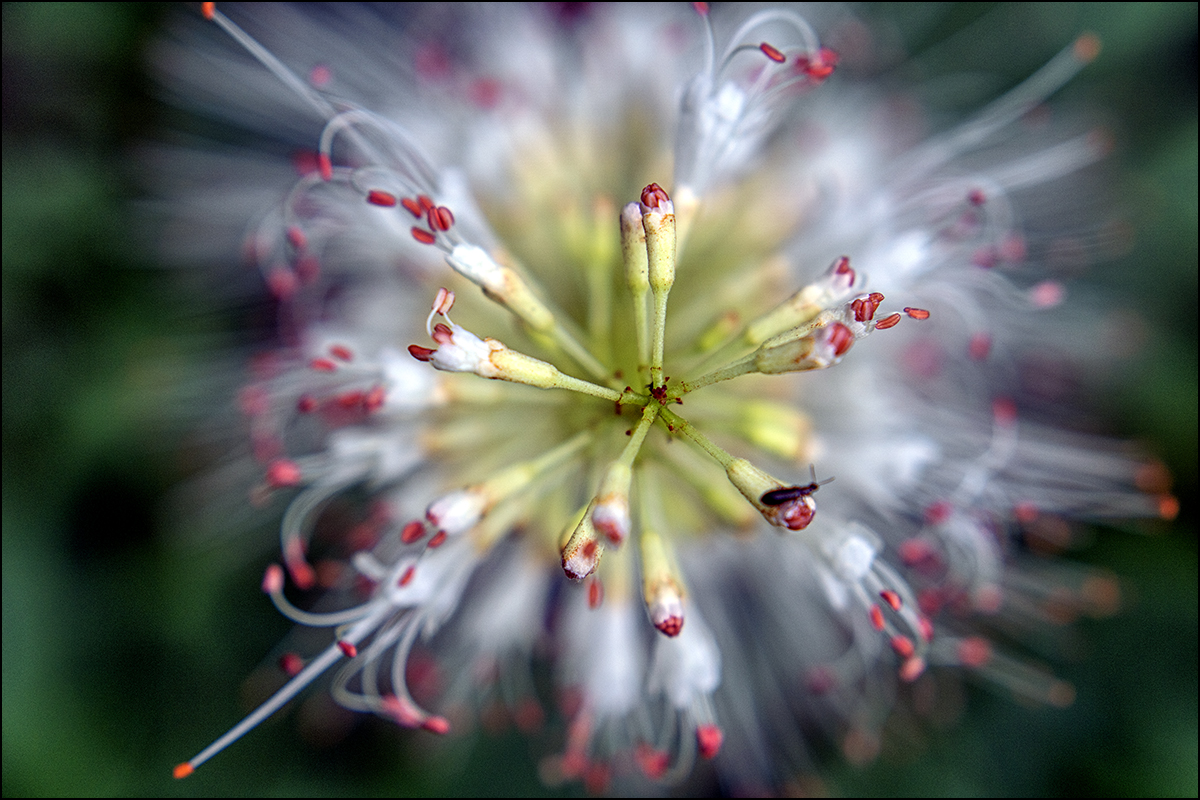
{"x": 126, "y": 646}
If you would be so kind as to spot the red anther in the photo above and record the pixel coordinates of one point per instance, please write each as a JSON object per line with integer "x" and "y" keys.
{"x": 443, "y": 301}
{"x": 938, "y": 512}
{"x": 348, "y": 649}
{"x": 325, "y": 166}
{"x": 322, "y": 365}
{"x": 185, "y": 769}
{"x": 440, "y": 218}
{"x": 841, "y": 338}
{"x": 350, "y": 399}
{"x": 306, "y": 404}
{"x": 413, "y": 207}
{"x": 653, "y": 762}
{"x": 700, "y": 8}
{"x": 916, "y": 313}
{"x": 438, "y": 725}
{"x": 596, "y": 778}
{"x": 709, "y": 737}
{"x": 903, "y": 646}
{"x": 595, "y": 592}
{"x": 876, "y": 614}
{"x": 653, "y": 196}
{"x": 976, "y": 197}
{"x": 421, "y": 353}
{"x": 373, "y": 401}
{"x": 974, "y": 651}
{"x": 926, "y": 629}
{"x": 426, "y": 203}
{"x": 302, "y": 574}
{"x": 1004, "y": 411}
{"x": 378, "y": 197}
{"x": 407, "y": 577}
{"x": 671, "y": 626}
{"x": 842, "y": 266}
{"x": 1025, "y": 512}
{"x": 296, "y": 237}
{"x": 911, "y": 669}
{"x": 291, "y": 664}
{"x": 320, "y": 75}
{"x": 864, "y": 308}
{"x": 979, "y": 347}
{"x": 484, "y": 92}
{"x": 772, "y": 53}
{"x": 272, "y": 581}
{"x": 282, "y": 283}
{"x": 283, "y": 472}
{"x": 412, "y": 532}
{"x": 887, "y": 322}
{"x": 915, "y": 551}
{"x": 341, "y": 352}
{"x": 891, "y": 598}
{"x": 437, "y": 540}
{"x": 442, "y": 334}
{"x": 208, "y": 10}
{"x": 1047, "y": 294}
{"x": 423, "y": 236}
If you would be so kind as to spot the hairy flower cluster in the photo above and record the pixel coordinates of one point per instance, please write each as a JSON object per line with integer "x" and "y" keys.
{"x": 664, "y": 234}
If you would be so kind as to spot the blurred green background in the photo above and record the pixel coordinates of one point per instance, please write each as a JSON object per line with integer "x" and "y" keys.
{"x": 125, "y": 650}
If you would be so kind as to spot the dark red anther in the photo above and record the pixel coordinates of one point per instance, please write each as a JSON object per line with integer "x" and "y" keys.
{"x": 325, "y": 166}
{"x": 407, "y": 577}
{"x": 709, "y": 737}
{"x": 442, "y": 333}
{"x": 876, "y": 615}
{"x": 440, "y": 218}
{"x": 423, "y": 236}
{"x": 841, "y": 338}
{"x": 772, "y": 53}
{"x": 842, "y": 266}
{"x": 348, "y": 649}
{"x": 653, "y": 196}
{"x": 437, "y": 540}
{"x": 306, "y": 404}
{"x": 891, "y": 598}
{"x": 916, "y": 313}
{"x": 976, "y": 197}
{"x": 341, "y": 352}
{"x": 291, "y": 664}
{"x": 378, "y": 197}
{"x": 208, "y": 10}
{"x": 421, "y": 353}
{"x": 889, "y": 321}
{"x": 412, "y": 532}
{"x": 351, "y": 399}
{"x": 413, "y": 207}
{"x": 322, "y": 365}
{"x": 426, "y": 203}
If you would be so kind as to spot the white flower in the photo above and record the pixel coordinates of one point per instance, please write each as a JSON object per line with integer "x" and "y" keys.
{"x": 665, "y": 356}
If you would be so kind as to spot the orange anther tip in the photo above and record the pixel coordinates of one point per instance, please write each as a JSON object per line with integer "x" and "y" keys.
{"x": 1168, "y": 507}
{"x": 1087, "y": 47}
{"x": 185, "y": 769}
{"x": 207, "y": 9}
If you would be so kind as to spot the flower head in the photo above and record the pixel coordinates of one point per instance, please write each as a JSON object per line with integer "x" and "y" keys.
{"x": 647, "y": 376}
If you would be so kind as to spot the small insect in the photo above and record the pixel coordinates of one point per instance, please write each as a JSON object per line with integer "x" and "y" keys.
{"x": 777, "y": 497}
